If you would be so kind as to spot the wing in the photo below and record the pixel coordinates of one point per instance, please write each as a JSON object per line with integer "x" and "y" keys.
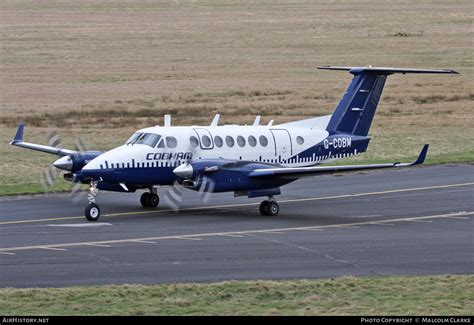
{"x": 297, "y": 172}
{"x": 18, "y": 142}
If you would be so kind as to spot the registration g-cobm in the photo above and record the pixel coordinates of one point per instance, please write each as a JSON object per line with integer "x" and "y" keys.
{"x": 337, "y": 143}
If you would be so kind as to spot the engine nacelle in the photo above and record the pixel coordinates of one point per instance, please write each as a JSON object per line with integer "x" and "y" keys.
{"x": 225, "y": 175}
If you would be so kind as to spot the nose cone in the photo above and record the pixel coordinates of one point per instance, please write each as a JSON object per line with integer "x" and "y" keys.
{"x": 184, "y": 170}
{"x": 64, "y": 163}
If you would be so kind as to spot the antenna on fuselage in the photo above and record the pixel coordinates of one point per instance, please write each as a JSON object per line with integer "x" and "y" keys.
{"x": 215, "y": 120}
{"x": 257, "y": 121}
{"x": 167, "y": 120}
{"x": 270, "y": 123}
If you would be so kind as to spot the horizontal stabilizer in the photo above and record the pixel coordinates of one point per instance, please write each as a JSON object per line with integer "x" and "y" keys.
{"x": 387, "y": 71}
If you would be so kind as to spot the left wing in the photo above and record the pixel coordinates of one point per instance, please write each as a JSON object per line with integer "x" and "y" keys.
{"x": 297, "y": 172}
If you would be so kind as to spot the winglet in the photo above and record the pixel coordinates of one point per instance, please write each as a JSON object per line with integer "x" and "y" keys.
{"x": 19, "y": 134}
{"x": 422, "y": 156}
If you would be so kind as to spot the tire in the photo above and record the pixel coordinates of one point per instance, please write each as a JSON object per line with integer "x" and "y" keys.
{"x": 264, "y": 208}
{"x": 144, "y": 199}
{"x": 153, "y": 200}
{"x": 92, "y": 212}
{"x": 273, "y": 209}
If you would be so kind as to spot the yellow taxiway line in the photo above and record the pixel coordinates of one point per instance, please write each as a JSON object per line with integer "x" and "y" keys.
{"x": 121, "y": 214}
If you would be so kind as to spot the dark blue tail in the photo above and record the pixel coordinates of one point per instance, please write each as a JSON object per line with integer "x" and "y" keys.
{"x": 355, "y": 111}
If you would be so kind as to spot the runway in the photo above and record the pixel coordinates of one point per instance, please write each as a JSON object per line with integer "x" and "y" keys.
{"x": 399, "y": 222}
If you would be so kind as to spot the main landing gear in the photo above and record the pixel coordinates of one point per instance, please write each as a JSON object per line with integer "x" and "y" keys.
{"x": 150, "y": 199}
{"x": 92, "y": 212}
{"x": 269, "y": 208}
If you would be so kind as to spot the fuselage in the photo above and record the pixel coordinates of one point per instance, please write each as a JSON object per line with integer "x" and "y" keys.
{"x": 151, "y": 154}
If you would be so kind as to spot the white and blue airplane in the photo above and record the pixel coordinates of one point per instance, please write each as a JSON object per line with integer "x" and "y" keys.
{"x": 251, "y": 160}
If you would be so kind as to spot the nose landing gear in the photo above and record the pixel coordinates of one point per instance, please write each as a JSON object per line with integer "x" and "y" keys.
{"x": 92, "y": 211}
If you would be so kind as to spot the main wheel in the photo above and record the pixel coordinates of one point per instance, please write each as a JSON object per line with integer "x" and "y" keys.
{"x": 273, "y": 208}
{"x": 144, "y": 199}
{"x": 264, "y": 208}
{"x": 92, "y": 212}
{"x": 153, "y": 200}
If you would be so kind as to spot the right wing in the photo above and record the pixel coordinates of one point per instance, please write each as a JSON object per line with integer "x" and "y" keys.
{"x": 297, "y": 172}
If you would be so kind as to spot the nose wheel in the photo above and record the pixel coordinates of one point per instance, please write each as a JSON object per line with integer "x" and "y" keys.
{"x": 92, "y": 211}
{"x": 269, "y": 208}
{"x": 149, "y": 200}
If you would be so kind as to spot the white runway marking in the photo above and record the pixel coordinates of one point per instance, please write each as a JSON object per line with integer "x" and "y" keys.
{"x": 51, "y": 248}
{"x": 7, "y": 253}
{"x": 96, "y": 245}
{"x": 144, "y": 241}
{"x": 82, "y": 225}
{"x": 244, "y": 232}
{"x": 381, "y": 223}
{"x": 228, "y": 235}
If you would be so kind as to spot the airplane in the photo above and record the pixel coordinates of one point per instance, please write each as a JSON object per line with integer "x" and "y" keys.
{"x": 251, "y": 160}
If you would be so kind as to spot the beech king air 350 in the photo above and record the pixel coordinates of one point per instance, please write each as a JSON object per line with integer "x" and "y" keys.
{"x": 252, "y": 161}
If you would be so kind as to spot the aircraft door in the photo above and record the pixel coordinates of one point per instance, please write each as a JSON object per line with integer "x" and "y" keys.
{"x": 283, "y": 145}
{"x": 205, "y": 138}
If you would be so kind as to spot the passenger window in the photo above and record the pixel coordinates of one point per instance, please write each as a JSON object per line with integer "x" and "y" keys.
{"x": 299, "y": 140}
{"x": 240, "y": 141}
{"x": 194, "y": 141}
{"x": 252, "y": 141}
{"x": 171, "y": 142}
{"x": 218, "y": 141}
{"x": 263, "y": 140}
{"x": 229, "y": 141}
{"x": 206, "y": 141}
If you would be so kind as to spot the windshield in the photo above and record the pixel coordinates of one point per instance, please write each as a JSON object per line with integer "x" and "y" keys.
{"x": 144, "y": 138}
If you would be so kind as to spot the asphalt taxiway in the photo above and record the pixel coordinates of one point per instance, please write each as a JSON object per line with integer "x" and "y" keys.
{"x": 397, "y": 222}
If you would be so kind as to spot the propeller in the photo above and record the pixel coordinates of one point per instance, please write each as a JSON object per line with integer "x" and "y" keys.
{"x": 49, "y": 175}
{"x": 190, "y": 180}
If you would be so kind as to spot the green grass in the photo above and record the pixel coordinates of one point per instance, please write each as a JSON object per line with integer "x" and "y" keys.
{"x": 418, "y": 295}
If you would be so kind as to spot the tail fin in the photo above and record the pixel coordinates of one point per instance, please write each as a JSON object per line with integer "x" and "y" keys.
{"x": 355, "y": 111}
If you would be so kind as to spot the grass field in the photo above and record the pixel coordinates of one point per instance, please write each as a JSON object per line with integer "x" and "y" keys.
{"x": 433, "y": 295}
{"x": 105, "y": 68}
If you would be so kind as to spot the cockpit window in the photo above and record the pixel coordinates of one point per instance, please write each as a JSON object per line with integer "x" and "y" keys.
{"x": 133, "y": 138}
{"x": 149, "y": 139}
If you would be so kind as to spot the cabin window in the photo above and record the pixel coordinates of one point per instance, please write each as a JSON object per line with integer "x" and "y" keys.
{"x": 218, "y": 141}
{"x": 263, "y": 140}
{"x": 171, "y": 142}
{"x": 252, "y": 141}
{"x": 299, "y": 140}
{"x": 194, "y": 141}
{"x": 206, "y": 141}
{"x": 229, "y": 141}
{"x": 241, "y": 141}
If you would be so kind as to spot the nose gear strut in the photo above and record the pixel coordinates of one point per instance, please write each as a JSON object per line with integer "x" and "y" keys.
{"x": 92, "y": 211}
